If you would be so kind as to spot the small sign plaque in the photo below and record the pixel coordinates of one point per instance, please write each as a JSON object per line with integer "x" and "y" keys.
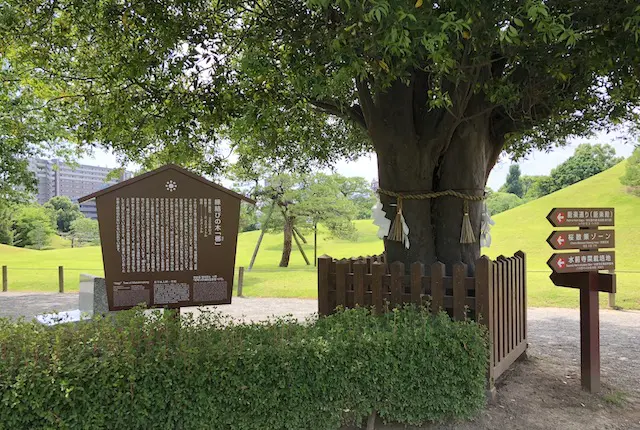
{"x": 582, "y": 239}
{"x": 581, "y": 217}
{"x": 585, "y": 261}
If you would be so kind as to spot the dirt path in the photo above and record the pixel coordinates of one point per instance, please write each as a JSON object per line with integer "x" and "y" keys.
{"x": 542, "y": 392}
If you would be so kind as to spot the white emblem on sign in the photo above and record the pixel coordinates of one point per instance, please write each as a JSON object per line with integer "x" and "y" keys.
{"x": 171, "y": 186}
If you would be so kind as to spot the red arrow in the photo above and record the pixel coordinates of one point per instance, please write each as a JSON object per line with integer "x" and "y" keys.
{"x": 560, "y": 263}
{"x": 560, "y": 240}
{"x": 560, "y": 217}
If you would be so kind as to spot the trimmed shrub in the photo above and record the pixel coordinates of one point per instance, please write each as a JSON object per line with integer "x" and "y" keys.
{"x": 137, "y": 371}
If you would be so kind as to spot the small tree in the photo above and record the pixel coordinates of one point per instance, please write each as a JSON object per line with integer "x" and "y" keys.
{"x": 84, "y": 231}
{"x": 500, "y": 202}
{"x": 33, "y": 226}
{"x": 65, "y": 211}
{"x": 6, "y": 220}
{"x": 631, "y": 176}
{"x": 301, "y": 202}
{"x": 513, "y": 184}
{"x": 40, "y": 236}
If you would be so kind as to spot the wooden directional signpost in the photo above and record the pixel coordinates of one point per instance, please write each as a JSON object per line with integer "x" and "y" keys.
{"x": 581, "y": 270}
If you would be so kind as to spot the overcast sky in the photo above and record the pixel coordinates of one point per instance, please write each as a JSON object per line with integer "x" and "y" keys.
{"x": 538, "y": 163}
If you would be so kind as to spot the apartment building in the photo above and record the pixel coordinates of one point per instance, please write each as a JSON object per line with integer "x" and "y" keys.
{"x": 56, "y": 178}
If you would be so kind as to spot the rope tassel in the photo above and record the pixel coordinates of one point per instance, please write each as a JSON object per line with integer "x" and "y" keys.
{"x": 396, "y": 232}
{"x": 466, "y": 233}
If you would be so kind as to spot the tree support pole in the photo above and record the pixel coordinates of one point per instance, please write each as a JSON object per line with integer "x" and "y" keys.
{"x": 590, "y": 335}
{"x": 296, "y": 231}
{"x": 264, "y": 226}
{"x": 315, "y": 244}
{"x": 295, "y": 237}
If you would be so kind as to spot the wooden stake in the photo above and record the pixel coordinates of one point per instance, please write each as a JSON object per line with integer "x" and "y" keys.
{"x": 295, "y": 237}
{"x": 264, "y": 226}
{"x": 315, "y": 244}
{"x": 240, "y": 280}
{"x": 5, "y": 279}
{"x": 61, "y": 279}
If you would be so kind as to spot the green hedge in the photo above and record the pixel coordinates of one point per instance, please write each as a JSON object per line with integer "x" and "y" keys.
{"x": 144, "y": 372}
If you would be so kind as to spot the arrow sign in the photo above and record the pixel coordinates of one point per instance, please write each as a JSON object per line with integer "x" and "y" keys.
{"x": 586, "y": 261}
{"x": 581, "y": 217}
{"x": 591, "y": 239}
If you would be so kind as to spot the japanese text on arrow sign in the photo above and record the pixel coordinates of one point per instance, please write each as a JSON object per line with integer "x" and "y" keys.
{"x": 581, "y": 217}
{"x": 582, "y": 239}
{"x": 587, "y": 261}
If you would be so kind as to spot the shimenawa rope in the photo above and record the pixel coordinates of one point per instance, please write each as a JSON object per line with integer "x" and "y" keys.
{"x": 396, "y": 232}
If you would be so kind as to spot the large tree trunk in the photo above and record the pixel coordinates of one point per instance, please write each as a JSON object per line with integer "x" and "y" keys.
{"x": 288, "y": 235}
{"x": 414, "y": 159}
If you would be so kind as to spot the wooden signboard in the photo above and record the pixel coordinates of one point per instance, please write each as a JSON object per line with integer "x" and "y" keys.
{"x": 168, "y": 240}
{"x": 589, "y": 261}
{"x": 581, "y": 270}
{"x": 581, "y": 217}
{"x": 583, "y": 239}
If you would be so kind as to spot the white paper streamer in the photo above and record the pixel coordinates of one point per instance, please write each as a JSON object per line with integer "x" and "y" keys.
{"x": 380, "y": 219}
{"x": 384, "y": 224}
{"x": 485, "y": 227}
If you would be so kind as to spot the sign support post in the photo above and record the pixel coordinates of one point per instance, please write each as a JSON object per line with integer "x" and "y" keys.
{"x": 581, "y": 270}
{"x": 590, "y": 335}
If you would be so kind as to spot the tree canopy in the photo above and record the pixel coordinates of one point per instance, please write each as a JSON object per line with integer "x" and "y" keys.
{"x": 437, "y": 89}
{"x": 513, "y": 183}
{"x": 631, "y": 176}
{"x": 65, "y": 212}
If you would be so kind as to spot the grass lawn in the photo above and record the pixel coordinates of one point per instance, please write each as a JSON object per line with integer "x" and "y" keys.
{"x": 522, "y": 228}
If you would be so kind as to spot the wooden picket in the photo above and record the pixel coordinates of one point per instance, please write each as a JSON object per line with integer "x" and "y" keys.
{"x": 495, "y": 297}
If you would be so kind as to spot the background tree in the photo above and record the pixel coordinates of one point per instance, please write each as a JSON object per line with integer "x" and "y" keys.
{"x": 84, "y": 231}
{"x": 631, "y": 176}
{"x": 536, "y": 186}
{"x": 587, "y": 160}
{"x": 500, "y": 202}
{"x": 65, "y": 212}
{"x": 29, "y": 127}
{"x": 513, "y": 183}
{"x": 358, "y": 190}
{"x": 439, "y": 89}
{"x": 301, "y": 202}
{"x": 6, "y": 223}
{"x": 33, "y": 226}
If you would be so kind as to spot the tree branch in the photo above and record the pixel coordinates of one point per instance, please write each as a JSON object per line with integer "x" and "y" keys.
{"x": 352, "y": 113}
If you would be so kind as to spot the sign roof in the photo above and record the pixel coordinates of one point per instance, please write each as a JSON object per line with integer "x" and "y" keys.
{"x": 159, "y": 170}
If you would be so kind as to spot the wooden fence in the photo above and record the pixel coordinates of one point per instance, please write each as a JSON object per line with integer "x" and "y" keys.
{"x": 495, "y": 297}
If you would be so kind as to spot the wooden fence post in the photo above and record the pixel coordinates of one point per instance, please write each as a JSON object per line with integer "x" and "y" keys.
{"x": 417, "y": 272}
{"x": 459, "y": 291}
{"x": 240, "y": 280}
{"x": 396, "y": 287}
{"x": 5, "y": 279}
{"x": 61, "y": 279}
{"x": 324, "y": 263}
{"x": 484, "y": 314}
{"x": 377, "y": 273}
{"x": 342, "y": 268}
{"x": 437, "y": 287}
{"x": 359, "y": 269}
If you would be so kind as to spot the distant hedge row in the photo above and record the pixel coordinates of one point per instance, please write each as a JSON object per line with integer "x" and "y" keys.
{"x": 141, "y": 372}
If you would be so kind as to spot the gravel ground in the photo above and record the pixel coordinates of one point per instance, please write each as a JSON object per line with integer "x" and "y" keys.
{"x": 542, "y": 392}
